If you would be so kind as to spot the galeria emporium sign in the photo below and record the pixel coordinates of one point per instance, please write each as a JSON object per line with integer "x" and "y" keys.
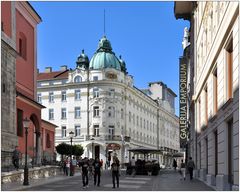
{"x": 183, "y": 101}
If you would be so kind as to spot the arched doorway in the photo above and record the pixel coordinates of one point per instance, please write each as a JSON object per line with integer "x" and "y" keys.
{"x": 36, "y": 140}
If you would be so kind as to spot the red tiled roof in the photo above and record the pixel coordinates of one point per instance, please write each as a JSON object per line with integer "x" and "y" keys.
{"x": 53, "y": 75}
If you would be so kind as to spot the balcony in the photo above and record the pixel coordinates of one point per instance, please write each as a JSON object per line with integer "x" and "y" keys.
{"x": 108, "y": 138}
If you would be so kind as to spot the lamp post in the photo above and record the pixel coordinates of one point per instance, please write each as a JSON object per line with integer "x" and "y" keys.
{"x": 26, "y": 123}
{"x": 71, "y": 134}
{"x": 92, "y": 146}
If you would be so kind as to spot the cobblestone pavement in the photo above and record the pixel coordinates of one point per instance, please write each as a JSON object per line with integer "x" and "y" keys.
{"x": 167, "y": 180}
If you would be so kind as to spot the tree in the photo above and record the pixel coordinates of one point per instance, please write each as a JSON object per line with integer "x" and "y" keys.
{"x": 77, "y": 150}
{"x": 63, "y": 149}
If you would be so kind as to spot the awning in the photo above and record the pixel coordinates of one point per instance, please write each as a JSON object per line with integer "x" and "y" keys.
{"x": 178, "y": 154}
{"x": 144, "y": 150}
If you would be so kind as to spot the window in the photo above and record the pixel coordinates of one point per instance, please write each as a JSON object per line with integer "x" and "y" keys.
{"x": 51, "y": 114}
{"x": 77, "y": 112}
{"x": 137, "y": 120}
{"x": 111, "y": 112}
{"x": 19, "y": 122}
{"x": 51, "y": 97}
{"x": 39, "y": 98}
{"x": 111, "y": 131}
{"x": 199, "y": 113}
{"x": 95, "y": 92}
{"x": 22, "y": 43}
{"x": 77, "y": 131}
{"x": 48, "y": 142}
{"x": 77, "y": 94}
{"x": 64, "y": 96}
{"x": 206, "y": 105}
{"x": 122, "y": 114}
{"x": 64, "y": 131}
{"x": 77, "y": 79}
{"x": 96, "y": 111}
{"x": 130, "y": 116}
{"x": 215, "y": 92}
{"x": 95, "y": 78}
{"x": 111, "y": 92}
{"x": 229, "y": 57}
{"x": 96, "y": 130}
{"x": 64, "y": 113}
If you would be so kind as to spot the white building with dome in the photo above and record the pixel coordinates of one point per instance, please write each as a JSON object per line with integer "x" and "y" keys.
{"x": 108, "y": 115}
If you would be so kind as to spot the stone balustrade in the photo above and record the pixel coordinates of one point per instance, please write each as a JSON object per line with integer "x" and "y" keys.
{"x": 34, "y": 173}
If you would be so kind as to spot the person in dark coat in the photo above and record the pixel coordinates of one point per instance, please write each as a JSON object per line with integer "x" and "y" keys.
{"x": 85, "y": 165}
{"x": 115, "y": 171}
{"x": 97, "y": 171}
{"x": 190, "y": 166}
{"x": 15, "y": 158}
{"x": 174, "y": 164}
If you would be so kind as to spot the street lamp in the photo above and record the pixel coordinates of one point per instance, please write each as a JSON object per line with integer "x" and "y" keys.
{"x": 26, "y": 123}
{"x": 71, "y": 134}
{"x": 92, "y": 146}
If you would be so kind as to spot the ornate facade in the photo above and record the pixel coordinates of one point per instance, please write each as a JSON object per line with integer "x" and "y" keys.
{"x": 214, "y": 90}
{"x": 108, "y": 114}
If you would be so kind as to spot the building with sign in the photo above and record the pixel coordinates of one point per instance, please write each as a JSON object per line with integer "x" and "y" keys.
{"x": 99, "y": 102}
{"x": 213, "y": 90}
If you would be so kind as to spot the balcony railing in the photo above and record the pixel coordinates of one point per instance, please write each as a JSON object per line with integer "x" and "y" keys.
{"x": 108, "y": 138}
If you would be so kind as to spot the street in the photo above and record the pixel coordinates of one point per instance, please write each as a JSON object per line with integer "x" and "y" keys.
{"x": 167, "y": 180}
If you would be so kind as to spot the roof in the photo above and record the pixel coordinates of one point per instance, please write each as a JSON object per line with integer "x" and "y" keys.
{"x": 18, "y": 94}
{"x": 53, "y": 75}
{"x": 47, "y": 122}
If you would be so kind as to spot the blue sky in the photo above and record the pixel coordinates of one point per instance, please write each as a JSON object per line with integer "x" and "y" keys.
{"x": 146, "y": 34}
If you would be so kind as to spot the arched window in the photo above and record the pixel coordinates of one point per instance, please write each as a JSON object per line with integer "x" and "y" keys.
{"x": 77, "y": 79}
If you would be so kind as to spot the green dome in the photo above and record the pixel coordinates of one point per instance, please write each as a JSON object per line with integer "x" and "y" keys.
{"x": 104, "y": 57}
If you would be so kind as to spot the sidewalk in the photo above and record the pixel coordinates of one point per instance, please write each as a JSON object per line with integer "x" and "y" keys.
{"x": 18, "y": 186}
{"x": 170, "y": 180}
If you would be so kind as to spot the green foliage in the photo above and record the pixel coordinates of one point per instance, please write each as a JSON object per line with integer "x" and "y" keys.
{"x": 65, "y": 149}
{"x": 77, "y": 150}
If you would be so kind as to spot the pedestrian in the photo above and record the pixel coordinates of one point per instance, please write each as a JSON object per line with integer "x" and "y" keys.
{"x": 183, "y": 170}
{"x": 174, "y": 164}
{"x": 67, "y": 166}
{"x": 15, "y": 158}
{"x": 133, "y": 166}
{"x": 101, "y": 163}
{"x": 97, "y": 171}
{"x": 115, "y": 171}
{"x": 74, "y": 164}
{"x": 190, "y": 166}
{"x": 85, "y": 166}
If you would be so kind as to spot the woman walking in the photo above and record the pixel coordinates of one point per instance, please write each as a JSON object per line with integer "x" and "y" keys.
{"x": 183, "y": 170}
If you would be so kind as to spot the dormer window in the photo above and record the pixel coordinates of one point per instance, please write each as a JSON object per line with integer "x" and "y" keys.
{"x": 77, "y": 79}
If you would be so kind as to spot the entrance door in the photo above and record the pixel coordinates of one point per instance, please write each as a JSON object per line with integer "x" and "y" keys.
{"x": 97, "y": 152}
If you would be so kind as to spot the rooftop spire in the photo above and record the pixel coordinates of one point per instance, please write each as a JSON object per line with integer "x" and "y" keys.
{"x": 104, "y": 24}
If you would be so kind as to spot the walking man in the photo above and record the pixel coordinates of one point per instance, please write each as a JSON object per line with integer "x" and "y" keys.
{"x": 115, "y": 171}
{"x": 190, "y": 166}
{"x": 97, "y": 171}
{"x": 174, "y": 164}
{"x": 85, "y": 166}
{"x": 15, "y": 158}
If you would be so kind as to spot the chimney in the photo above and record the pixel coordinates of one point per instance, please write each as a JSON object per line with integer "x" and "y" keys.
{"x": 63, "y": 68}
{"x": 48, "y": 69}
